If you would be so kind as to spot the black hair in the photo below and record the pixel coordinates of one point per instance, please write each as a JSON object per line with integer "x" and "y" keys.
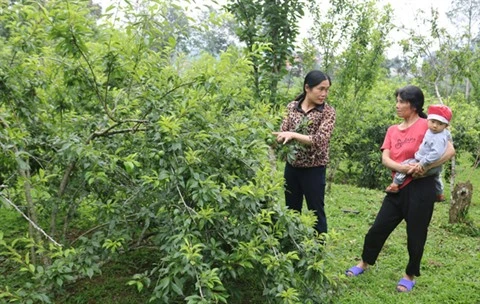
{"x": 312, "y": 79}
{"x": 414, "y": 96}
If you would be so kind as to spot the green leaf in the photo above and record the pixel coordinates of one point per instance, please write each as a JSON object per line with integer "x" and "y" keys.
{"x": 177, "y": 289}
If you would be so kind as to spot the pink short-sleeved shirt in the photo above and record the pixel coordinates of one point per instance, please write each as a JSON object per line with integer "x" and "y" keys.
{"x": 404, "y": 143}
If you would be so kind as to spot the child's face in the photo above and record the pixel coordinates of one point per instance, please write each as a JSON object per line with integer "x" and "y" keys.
{"x": 436, "y": 126}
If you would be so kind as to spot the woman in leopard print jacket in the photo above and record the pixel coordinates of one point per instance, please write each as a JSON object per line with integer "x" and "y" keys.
{"x": 309, "y": 123}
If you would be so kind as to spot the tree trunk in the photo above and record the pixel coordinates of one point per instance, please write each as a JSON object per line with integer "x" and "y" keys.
{"x": 461, "y": 199}
{"x": 31, "y": 211}
{"x": 437, "y": 91}
{"x": 467, "y": 89}
{"x": 61, "y": 191}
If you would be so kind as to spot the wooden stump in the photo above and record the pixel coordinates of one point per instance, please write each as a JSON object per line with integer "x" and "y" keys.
{"x": 461, "y": 199}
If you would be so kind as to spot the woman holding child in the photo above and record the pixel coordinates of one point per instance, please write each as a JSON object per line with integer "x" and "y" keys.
{"x": 415, "y": 198}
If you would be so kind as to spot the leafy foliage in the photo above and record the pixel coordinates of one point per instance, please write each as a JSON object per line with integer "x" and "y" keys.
{"x": 288, "y": 152}
{"x": 115, "y": 142}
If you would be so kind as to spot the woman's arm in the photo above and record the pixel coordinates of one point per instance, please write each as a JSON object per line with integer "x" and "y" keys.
{"x": 285, "y": 137}
{"x": 393, "y": 165}
{"x": 320, "y": 138}
{"x": 449, "y": 153}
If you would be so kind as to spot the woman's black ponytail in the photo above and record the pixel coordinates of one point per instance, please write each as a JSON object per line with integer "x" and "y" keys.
{"x": 301, "y": 97}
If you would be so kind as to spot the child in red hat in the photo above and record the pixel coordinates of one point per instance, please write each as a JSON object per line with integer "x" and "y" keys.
{"x": 432, "y": 148}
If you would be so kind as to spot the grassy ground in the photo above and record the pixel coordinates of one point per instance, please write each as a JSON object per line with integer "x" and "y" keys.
{"x": 111, "y": 287}
{"x": 450, "y": 265}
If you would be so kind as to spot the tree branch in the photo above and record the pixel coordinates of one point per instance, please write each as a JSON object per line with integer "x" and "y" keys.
{"x": 109, "y": 133}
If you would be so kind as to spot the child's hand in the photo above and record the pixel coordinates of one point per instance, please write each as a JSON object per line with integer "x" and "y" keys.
{"x": 413, "y": 168}
{"x": 419, "y": 171}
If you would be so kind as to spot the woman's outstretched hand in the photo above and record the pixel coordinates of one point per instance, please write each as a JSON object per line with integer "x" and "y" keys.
{"x": 284, "y": 137}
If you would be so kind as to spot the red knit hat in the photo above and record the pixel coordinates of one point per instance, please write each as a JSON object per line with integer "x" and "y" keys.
{"x": 440, "y": 112}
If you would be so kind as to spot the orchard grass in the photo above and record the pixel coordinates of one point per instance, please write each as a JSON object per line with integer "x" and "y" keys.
{"x": 12, "y": 224}
{"x": 451, "y": 261}
{"x": 111, "y": 287}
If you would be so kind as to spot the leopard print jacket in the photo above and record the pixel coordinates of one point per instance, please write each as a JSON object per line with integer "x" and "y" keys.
{"x": 321, "y": 122}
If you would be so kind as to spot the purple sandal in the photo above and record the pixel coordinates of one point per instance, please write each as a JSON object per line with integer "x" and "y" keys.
{"x": 355, "y": 271}
{"x": 405, "y": 283}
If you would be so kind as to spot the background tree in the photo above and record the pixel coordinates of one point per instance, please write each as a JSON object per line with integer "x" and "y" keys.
{"x": 466, "y": 15}
{"x": 441, "y": 64}
{"x": 397, "y": 67}
{"x": 435, "y": 57}
{"x": 212, "y": 32}
{"x": 272, "y": 23}
{"x": 352, "y": 38}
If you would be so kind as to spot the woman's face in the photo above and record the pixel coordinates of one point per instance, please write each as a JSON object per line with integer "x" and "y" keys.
{"x": 318, "y": 93}
{"x": 404, "y": 108}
